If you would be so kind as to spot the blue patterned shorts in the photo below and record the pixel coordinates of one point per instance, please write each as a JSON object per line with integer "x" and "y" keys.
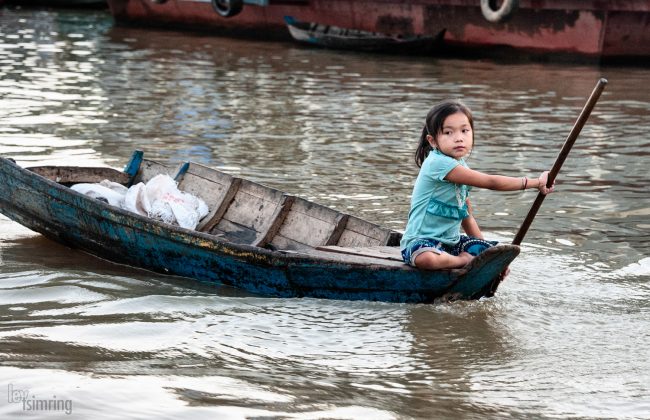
{"x": 467, "y": 244}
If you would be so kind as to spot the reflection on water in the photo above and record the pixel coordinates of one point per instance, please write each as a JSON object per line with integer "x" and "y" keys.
{"x": 566, "y": 335}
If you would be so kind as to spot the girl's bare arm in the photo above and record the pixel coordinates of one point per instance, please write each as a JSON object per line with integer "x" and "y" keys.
{"x": 469, "y": 224}
{"x": 463, "y": 175}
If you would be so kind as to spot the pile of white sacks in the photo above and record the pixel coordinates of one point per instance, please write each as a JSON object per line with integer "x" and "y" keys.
{"x": 158, "y": 199}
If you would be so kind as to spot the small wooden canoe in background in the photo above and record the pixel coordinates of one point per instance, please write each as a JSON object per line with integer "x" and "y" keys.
{"x": 329, "y": 36}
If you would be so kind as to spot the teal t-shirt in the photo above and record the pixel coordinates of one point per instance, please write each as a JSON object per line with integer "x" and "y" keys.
{"x": 437, "y": 206}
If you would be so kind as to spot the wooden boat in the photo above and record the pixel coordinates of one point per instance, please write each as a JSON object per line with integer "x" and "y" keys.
{"x": 329, "y": 36}
{"x": 586, "y": 30}
{"x": 255, "y": 238}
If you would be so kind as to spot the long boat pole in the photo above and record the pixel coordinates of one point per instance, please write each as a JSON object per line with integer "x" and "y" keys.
{"x": 568, "y": 143}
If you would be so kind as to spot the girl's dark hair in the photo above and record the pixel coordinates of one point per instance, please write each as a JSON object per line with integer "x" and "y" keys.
{"x": 433, "y": 125}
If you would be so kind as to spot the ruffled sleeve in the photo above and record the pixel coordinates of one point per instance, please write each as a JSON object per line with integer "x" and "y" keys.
{"x": 440, "y": 165}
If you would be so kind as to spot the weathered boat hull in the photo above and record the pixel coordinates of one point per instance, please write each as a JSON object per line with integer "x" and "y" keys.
{"x": 587, "y": 29}
{"x": 82, "y": 222}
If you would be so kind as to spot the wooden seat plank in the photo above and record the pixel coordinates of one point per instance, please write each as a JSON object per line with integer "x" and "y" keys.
{"x": 216, "y": 213}
{"x": 361, "y": 233}
{"x": 383, "y": 252}
{"x": 278, "y": 219}
{"x": 252, "y": 211}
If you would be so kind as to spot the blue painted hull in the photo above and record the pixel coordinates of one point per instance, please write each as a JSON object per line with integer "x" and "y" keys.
{"x": 120, "y": 236}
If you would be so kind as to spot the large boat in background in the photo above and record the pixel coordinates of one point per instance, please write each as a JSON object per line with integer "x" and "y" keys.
{"x": 574, "y": 29}
{"x": 56, "y": 3}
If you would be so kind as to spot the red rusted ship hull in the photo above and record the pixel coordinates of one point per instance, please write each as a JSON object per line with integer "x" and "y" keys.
{"x": 593, "y": 29}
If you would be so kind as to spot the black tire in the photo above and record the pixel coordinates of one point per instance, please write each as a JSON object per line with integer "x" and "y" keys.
{"x": 228, "y": 8}
{"x": 503, "y": 13}
{"x": 159, "y": 1}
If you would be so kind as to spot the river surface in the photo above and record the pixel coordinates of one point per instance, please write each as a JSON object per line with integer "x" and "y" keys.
{"x": 566, "y": 336}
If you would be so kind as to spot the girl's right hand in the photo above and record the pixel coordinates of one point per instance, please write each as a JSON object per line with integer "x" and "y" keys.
{"x": 543, "y": 179}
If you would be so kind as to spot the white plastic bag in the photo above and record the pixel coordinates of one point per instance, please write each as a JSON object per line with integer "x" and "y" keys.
{"x": 166, "y": 202}
{"x": 188, "y": 209}
{"x": 158, "y": 199}
{"x": 171, "y": 205}
{"x": 118, "y": 188}
{"x": 136, "y": 200}
{"x": 100, "y": 192}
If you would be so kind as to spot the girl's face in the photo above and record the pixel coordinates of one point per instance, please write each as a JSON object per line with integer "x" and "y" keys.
{"x": 456, "y": 138}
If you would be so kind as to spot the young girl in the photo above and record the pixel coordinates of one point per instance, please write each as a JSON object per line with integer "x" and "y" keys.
{"x": 440, "y": 203}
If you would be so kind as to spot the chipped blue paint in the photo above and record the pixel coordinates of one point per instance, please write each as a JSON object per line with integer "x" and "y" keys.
{"x": 134, "y": 164}
{"x": 117, "y": 235}
{"x": 182, "y": 171}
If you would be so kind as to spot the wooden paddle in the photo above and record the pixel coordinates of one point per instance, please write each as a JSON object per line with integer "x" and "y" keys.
{"x": 568, "y": 143}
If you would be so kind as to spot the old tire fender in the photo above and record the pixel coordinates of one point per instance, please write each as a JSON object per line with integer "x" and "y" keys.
{"x": 502, "y": 13}
{"x": 228, "y": 8}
